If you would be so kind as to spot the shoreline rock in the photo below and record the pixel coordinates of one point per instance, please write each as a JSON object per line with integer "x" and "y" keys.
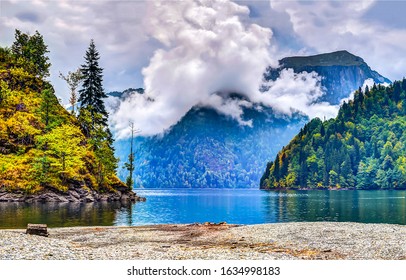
{"x": 72, "y": 195}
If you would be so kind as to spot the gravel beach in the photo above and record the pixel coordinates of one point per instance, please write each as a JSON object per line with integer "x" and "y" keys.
{"x": 282, "y": 241}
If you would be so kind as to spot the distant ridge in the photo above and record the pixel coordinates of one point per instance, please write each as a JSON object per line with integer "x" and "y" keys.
{"x": 342, "y": 58}
{"x": 342, "y": 72}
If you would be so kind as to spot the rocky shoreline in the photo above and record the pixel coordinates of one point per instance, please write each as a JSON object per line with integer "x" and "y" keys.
{"x": 72, "y": 195}
{"x": 282, "y": 241}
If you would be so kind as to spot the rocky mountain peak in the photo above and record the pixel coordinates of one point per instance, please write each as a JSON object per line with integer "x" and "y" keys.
{"x": 338, "y": 58}
{"x": 342, "y": 72}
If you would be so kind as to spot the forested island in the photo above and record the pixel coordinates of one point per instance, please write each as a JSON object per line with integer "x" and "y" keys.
{"x": 362, "y": 148}
{"x": 46, "y": 152}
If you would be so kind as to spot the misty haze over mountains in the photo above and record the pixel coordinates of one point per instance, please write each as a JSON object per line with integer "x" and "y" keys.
{"x": 210, "y": 149}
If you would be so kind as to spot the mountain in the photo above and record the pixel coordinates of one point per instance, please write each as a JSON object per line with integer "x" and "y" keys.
{"x": 126, "y": 92}
{"x": 363, "y": 147}
{"x": 207, "y": 149}
{"x": 44, "y": 155}
{"x": 341, "y": 72}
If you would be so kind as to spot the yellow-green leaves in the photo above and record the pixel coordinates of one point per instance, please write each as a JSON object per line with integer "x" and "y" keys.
{"x": 23, "y": 125}
{"x": 66, "y": 147}
{"x": 41, "y": 144}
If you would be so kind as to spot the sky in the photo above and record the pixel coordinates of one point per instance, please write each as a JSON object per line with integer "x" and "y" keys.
{"x": 194, "y": 52}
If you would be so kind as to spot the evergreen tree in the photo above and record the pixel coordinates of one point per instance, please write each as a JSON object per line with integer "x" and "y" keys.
{"x": 366, "y": 90}
{"x": 93, "y": 116}
{"x": 276, "y": 169}
{"x": 30, "y": 52}
{"x": 130, "y": 164}
{"x": 92, "y": 92}
{"x": 333, "y": 178}
{"x": 362, "y": 148}
{"x": 101, "y": 141}
{"x": 396, "y": 92}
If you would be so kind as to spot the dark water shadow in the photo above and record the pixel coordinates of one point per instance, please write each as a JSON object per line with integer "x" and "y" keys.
{"x": 15, "y": 215}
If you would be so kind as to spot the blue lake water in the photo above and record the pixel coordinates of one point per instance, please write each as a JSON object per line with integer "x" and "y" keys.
{"x": 217, "y": 205}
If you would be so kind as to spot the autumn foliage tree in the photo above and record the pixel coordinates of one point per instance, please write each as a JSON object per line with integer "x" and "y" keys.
{"x": 42, "y": 146}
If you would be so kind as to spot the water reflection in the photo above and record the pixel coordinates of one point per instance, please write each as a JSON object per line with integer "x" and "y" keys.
{"x": 18, "y": 215}
{"x": 340, "y": 206}
{"x": 214, "y": 205}
{"x": 197, "y": 205}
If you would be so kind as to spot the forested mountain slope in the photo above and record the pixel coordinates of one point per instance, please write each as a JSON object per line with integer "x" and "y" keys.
{"x": 363, "y": 147}
{"x": 207, "y": 149}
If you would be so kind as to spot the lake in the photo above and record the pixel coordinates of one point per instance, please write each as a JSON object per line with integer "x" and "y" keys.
{"x": 251, "y": 206}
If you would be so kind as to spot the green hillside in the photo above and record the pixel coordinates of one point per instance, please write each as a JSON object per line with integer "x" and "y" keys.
{"x": 43, "y": 146}
{"x": 363, "y": 147}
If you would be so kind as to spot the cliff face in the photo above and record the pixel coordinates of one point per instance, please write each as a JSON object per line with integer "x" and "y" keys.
{"x": 341, "y": 72}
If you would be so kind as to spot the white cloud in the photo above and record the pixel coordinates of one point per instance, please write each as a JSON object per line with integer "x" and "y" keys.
{"x": 68, "y": 26}
{"x": 293, "y": 92}
{"x": 325, "y": 26}
{"x": 367, "y": 83}
{"x": 210, "y": 52}
{"x": 193, "y": 52}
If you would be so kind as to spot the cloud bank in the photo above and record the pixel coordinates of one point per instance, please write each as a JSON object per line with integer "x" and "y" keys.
{"x": 374, "y": 30}
{"x": 356, "y": 26}
{"x": 208, "y": 52}
{"x": 68, "y": 26}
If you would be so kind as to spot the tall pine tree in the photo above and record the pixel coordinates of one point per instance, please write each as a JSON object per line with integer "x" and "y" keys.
{"x": 93, "y": 116}
{"x": 92, "y": 93}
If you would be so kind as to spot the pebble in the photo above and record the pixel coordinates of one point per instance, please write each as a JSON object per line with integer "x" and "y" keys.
{"x": 282, "y": 241}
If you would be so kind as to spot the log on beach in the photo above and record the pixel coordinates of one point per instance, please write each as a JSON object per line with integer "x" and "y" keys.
{"x": 37, "y": 229}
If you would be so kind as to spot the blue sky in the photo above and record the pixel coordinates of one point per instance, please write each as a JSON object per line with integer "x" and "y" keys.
{"x": 136, "y": 35}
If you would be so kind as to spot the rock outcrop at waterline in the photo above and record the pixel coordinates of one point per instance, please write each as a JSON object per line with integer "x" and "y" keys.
{"x": 76, "y": 193}
{"x": 79, "y": 195}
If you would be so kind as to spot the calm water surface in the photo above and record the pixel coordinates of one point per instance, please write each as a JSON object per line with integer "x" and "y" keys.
{"x": 214, "y": 205}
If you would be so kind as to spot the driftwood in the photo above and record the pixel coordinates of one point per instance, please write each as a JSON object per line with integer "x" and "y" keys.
{"x": 37, "y": 229}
